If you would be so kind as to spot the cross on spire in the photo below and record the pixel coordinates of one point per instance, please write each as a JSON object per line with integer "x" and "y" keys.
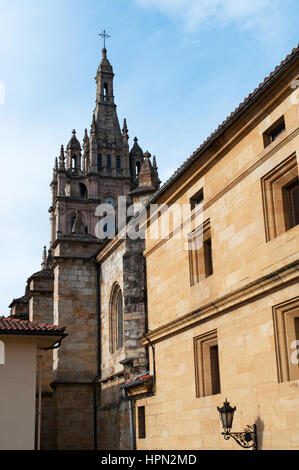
{"x": 105, "y": 36}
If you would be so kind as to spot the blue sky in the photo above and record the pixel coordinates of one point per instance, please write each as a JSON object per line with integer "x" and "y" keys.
{"x": 181, "y": 66}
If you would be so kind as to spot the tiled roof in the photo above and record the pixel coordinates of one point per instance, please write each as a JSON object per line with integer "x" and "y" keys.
{"x": 17, "y": 326}
{"x": 228, "y": 121}
{"x": 138, "y": 380}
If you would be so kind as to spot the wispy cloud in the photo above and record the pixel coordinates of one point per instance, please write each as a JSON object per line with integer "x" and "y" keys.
{"x": 260, "y": 16}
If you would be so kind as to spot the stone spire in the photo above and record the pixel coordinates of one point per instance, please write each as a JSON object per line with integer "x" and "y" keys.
{"x": 74, "y": 143}
{"x": 93, "y": 147}
{"x": 44, "y": 258}
{"x": 86, "y": 152}
{"x": 155, "y": 168}
{"x": 55, "y": 171}
{"x": 107, "y": 124}
{"x": 73, "y": 154}
{"x": 136, "y": 160}
{"x": 125, "y": 137}
{"x": 136, "y": 151}
{"x": 147, "y": 177}
{"x": 61, "y": 159}
{"x": 148, "y": 182}
{"x": 125, "y": 128}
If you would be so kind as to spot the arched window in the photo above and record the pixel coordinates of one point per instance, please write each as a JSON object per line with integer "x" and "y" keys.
{"x": 105, "y": 91}
{"x": 74, "y": 159}
{"x": 73, "y": 220}
{"x": 137, "y": 169}
{"x": 83, "y": 191}
{"x": 116, "y": 319}
{"x": 2, "y": 353}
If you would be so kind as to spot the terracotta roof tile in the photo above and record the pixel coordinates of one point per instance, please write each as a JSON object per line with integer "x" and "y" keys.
{"x": 17, "y": 326}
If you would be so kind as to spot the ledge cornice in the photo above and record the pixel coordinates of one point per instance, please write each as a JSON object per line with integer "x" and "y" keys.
{"x": 248, "y": 293}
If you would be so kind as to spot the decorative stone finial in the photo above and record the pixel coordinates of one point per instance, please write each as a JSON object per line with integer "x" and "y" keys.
{"x": 62, "y": 158}
{"x": 44, "y": 258}
{"x": 125, "y": 128}
{"x": 93, "y": 124}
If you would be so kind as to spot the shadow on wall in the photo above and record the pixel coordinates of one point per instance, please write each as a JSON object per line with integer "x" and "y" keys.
{"x": 259, "y": 430}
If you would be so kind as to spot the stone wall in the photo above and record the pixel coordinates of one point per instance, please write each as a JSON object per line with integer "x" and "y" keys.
{"x": 75, "y": 307}
{"x": 235, "y": 304}
{"x": 76, "y": 361}
{"x": 74, "y": 416}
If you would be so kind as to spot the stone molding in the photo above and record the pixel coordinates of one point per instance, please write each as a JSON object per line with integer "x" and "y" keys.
{"x": 262, "y": 157}
{"x": 248, "y": 293}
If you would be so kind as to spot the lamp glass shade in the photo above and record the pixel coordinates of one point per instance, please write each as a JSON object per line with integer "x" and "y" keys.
{"x": 227, "y": 415}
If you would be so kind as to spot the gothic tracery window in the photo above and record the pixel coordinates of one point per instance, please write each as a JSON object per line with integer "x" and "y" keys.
{"x": 116, "y": 319}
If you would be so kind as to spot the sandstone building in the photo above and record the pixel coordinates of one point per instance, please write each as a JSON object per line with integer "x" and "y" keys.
{"x": 223, "y": 300}
{"x": 162, "y": 328}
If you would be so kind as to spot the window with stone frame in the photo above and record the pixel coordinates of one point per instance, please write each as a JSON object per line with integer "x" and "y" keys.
{"x": 286, "y": 334}
{"x": 141, "y": 422}
{"x": 72, "y": 222}
{"x": 206, "y": 360}
{"x": 280, "y": 191}
{"x": 200, "y": 253}
{"x": 197, "y": 199}
{"x": 116, "y": 319}
{"x": 274, "y": 131}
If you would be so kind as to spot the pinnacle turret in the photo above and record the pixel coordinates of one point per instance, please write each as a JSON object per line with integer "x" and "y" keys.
{"x": 74, "y": 142}
{"x": 44, "y": 258}
{"x": 62, "y": 159}
{"x": 55, "y": 171}
{"x": 125, "y": 128}
{"x": 86, "y": 149}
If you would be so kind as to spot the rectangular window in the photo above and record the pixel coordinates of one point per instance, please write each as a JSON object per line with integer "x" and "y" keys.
{"x": 274, "y": 131}
{"x": 141, "y": 422}
{"x": 280, "y": 190}
{"x": 196, "y": 199}
{"x": 200, "y": 253}
{"x": 109, "y": 161}
{"x": 207, "y": 248}
{"x": 100, "y": 161}
{"x": 118, "y": 165}
{"x": 286, "y": 333}
{"x": 206, "y": 357}
{"x": 290, "y": 195}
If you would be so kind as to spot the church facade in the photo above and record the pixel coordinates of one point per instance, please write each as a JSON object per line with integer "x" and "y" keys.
{"x": 92, "y": 282}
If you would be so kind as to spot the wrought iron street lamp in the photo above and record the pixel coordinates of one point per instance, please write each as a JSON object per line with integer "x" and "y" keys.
{"x": 246, "y": 439}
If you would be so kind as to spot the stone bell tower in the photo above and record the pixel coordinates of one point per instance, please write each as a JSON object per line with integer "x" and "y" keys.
{"x": 85, "y": 175}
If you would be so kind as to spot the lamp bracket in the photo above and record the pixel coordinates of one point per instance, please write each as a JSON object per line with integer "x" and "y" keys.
{"x": 246, "y": 439}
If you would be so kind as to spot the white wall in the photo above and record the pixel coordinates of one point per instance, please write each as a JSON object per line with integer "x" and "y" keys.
{"x": 17, "y": 394}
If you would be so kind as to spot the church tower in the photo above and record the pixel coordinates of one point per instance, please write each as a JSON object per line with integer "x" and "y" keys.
{"x": 99, "y": 171}
{"x": 73, "y": 287}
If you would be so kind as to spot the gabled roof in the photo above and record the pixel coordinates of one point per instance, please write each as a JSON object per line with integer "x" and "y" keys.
{"x": 17, "y": 326}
